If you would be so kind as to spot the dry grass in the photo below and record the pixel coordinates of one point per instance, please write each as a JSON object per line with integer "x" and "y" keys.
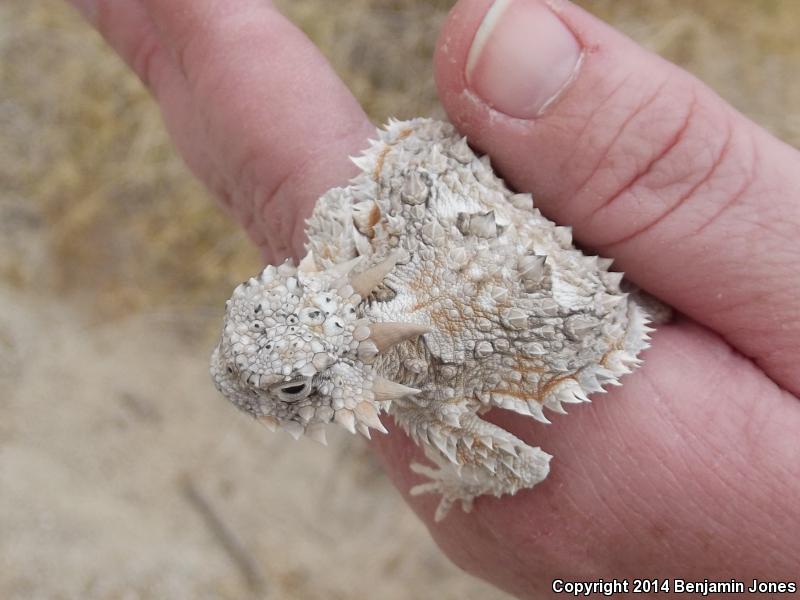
{"x": 126, "y": 224}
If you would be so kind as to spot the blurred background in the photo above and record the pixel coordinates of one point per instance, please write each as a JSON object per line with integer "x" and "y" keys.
{"x": 122, "y": 473}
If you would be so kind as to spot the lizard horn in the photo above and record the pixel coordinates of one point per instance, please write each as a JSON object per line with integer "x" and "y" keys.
{"x": 346, "y": 419}
{"x": 386, "y": 335}
{"x": 386, "y": 390}
{"x": 366, "y": 413}
{"x": 345, "y": 267}
{"x": 363, "y": 283}
{"x": 307, "y": 265}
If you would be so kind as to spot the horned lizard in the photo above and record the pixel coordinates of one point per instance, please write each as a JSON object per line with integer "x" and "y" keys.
{"x": 432, "y": 292}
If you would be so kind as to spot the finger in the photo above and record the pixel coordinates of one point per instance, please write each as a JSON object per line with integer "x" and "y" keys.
{"x": 698, "y": 205}
{"x": 660, "y": 478}
{"x": 254, "y": 108}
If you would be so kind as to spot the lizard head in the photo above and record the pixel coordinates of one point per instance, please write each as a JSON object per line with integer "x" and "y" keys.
{"x": 296, "y": 353}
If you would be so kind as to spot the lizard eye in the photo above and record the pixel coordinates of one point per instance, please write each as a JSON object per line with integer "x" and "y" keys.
{"x": 291, "y": 391}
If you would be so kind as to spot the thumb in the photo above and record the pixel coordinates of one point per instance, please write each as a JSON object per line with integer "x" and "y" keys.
{"x": 646, "y": 163}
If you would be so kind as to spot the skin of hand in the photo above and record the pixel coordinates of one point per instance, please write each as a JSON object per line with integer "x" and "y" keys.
{"x": 692, "y": 468}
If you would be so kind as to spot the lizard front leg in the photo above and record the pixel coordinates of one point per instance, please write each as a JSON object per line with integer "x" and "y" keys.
{"x": 472, "y": 457}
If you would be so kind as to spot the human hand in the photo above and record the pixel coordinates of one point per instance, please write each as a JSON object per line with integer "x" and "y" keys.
{"x": 690, "y": 469}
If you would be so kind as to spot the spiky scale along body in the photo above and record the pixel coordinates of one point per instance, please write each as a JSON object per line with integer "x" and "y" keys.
{"x": 434, "y": 293}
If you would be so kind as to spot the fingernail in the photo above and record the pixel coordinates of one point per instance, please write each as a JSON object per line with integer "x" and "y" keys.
{"x": 522, "y": 58}
{"x": 88, "y": 8}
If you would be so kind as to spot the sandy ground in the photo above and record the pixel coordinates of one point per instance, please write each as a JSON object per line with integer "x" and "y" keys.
{"x": 122, "y": 473}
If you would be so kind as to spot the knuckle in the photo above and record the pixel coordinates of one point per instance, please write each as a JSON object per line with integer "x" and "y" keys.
{"x": 200, "y": 52}
{"x": 133, "y": 37}
{"x": 144, "y": 57}
{"x": 269, "y": 197}
{"x": 730, "y": 179}
{"x": 185, "y": 52}
{"x": 673, "y": 148}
